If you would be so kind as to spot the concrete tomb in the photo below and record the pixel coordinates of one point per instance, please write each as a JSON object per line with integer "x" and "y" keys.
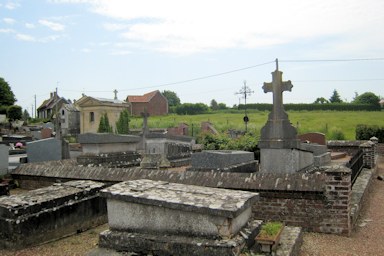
{"x": 224, "y": 160}
{"x": 4, "y": 161}
{"x": 109, "y": 150}
{"x": 162, "y": 218}
{"x": 100, "y": 143}
{"x": 47, "y": 150}
{"x": 49, "y": 213}
{"x": 280, "y": 147}
{"x": 164, "y": 150}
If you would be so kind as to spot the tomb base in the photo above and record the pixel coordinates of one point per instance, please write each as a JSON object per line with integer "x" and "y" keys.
{"x": 285, "y": 160}
{"x": 114, "y": 242}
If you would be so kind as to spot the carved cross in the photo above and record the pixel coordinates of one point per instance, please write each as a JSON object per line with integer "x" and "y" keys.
{"x": 277, "y": 87}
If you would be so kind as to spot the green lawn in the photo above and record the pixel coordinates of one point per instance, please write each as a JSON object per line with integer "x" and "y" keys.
{"x": 328, "y": 122}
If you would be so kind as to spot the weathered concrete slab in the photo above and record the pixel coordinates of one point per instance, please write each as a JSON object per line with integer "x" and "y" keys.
{"x": 50, "y": 213}
{"x": 219, "y": 159}
{"x": 44, "y": 150}
{"x": 67, "y": 170}
{"x": 97, "y": 143}
{"x": 153, "y": 206}
{"x": 4, "y": 155}
{"x": 163, "y": 218}
{"x": 122, "y": 243}
{"x": 285, "y": 160}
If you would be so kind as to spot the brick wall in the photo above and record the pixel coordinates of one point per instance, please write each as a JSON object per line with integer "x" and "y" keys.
{"x": 325, "y": 211}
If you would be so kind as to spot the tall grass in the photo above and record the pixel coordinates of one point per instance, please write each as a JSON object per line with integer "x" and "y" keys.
{"x": 334, "y": 124}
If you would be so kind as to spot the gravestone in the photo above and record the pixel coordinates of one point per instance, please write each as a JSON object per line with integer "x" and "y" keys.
{"x": 100, "y": 143}
{"x": 156, "y": 217}
{"x": 279, "y": 145}
{"x": 44, "y": 150}
{"x": 223, "y": 160}
{"x": 49, "y": 213}
{"x": 46, "y": 133}
{"x": 313, "y": 137}
{"x": 4, "y": 159}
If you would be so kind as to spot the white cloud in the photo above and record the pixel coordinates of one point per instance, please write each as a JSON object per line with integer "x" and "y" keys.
{"x": 11, "y": 5}
{"x": 30, "y": 25}
{"x": 52, "y": 25}
{"x": 200, "y": 25}
{"x": 9, "y": 21}
{"x": 6, "y": 30}
{"x": 24, "y": 37}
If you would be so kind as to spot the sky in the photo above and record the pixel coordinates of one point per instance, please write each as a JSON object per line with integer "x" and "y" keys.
{"x": 200, "y": 49}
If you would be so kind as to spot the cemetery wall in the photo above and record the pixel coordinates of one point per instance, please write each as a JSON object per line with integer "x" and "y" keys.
{"x": 326, "y": 210}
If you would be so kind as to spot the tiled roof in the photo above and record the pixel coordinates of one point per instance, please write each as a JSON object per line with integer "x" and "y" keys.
{"x": 144, "y": 98}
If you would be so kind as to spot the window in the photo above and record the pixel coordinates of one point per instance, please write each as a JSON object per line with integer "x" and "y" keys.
{"x": 91, "y": 116}
{"x": 62, "y": 112}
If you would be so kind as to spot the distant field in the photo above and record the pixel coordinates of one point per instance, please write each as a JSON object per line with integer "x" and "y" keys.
{"x": 328, "y": 122}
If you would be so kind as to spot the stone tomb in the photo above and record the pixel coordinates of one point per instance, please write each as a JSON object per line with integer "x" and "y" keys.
{"x": 224, "y": 160}
{"x": 162, "y": 218}
{"x": 4, "y": 161}
{"x": 47, "y": 150}
{"x": 110, "y": 150}
{"x": 49, "y": 213}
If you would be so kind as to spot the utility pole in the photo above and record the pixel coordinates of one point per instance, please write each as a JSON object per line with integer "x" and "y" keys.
{"x": 57, "y": 124}
{"x": 32, "y": 111}
{"x": 245, "y": 91}
{"x": 35, "y": 108}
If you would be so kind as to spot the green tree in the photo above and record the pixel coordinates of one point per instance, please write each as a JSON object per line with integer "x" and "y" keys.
{"x": 321, "y": 100}
{"x": 26, "y": 115}
{"x": 214, "y": 105}
{"x": 104, "y": 126}
{"x": 191, "y": 109}
{"x": 367, "y": 98}
{"x": 122, "y": 125}
{"x": 7, "y": 98}
{"x": 173, "y": 99}
{"x": 222, "y": 106}
{"x": 335, "y": 98}
{"x": 14, "y": 112}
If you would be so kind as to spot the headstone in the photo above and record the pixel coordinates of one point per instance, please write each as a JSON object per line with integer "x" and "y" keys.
{"x": 223, "y": 160}
{"x": 46, "y": 133}
{"x": 313, "y": 137}
{"x": 50, "y": 213}
{"x": 100, "y": 143}
{"x": 278, "y": 132}
{"x": 147, "y": 216}
{"x": 280, "y": 149}
{"x": 44, "y": 150}
{"x": 4, "y": 159}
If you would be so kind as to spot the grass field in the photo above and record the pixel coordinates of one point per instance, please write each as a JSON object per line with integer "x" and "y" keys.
{"x": 330, "y": 123}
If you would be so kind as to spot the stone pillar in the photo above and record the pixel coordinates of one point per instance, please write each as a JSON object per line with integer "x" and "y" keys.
{"x": 338, "y": 190}
{"x": 368, "y": 154}
{"x": 375, "y": 140}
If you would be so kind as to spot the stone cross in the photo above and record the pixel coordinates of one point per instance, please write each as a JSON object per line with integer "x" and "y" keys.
{"x": 277, "y": 87}
{"x": 115, "y": 92}
{"x": 145, "y": 116}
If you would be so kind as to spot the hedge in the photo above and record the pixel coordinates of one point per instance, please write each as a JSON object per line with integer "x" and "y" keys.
{"x": 365, "y": 132}
{"x": 315, "y": 107}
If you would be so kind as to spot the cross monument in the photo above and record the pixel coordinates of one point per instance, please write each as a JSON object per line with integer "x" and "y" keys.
{"x": 278, "y": 131}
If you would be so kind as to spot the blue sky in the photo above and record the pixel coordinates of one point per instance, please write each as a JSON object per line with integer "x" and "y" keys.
{"x": 200, "y": 49}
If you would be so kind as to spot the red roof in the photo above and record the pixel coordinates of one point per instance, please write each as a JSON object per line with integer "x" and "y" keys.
{"x": 144, "y": 98}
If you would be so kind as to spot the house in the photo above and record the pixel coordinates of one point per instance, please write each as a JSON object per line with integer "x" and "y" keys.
{"x": 50, "y": 106}
{"x": 69, "y": 119}
{"x": 381, "y": 102}
{"x": 92, "y": 109}
{"x": 154, "y": 103}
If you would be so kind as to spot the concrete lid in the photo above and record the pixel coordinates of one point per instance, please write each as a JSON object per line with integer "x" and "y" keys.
{"x": 212, "y": 201}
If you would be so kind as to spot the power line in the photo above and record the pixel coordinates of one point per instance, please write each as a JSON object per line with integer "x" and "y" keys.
{"x": 334, "y": 60}
{"x": 249, "y": 67}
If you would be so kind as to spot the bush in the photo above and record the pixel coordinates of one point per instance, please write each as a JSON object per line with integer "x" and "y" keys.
{"x": 336, "y": 134}
{"x": 365, "y": 132}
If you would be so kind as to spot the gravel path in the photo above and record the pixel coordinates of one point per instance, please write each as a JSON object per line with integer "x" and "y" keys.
{"x": 366, "y": 239}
